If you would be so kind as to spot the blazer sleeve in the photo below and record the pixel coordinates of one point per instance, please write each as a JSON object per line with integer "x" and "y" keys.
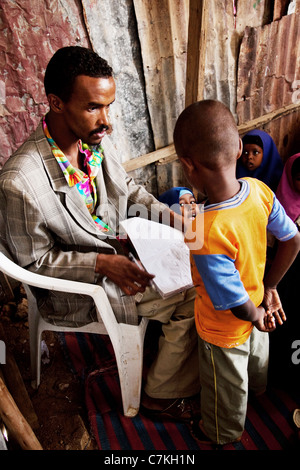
{"x": 31, "y": 242}
{"x": 120, "y": 184}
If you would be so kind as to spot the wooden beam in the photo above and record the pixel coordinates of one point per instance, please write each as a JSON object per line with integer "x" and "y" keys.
{"x": 15, "y": 421}
{"x": 272, "y": 116}
{"x": 14, "y": 382}
{"x": 149, "y": 158}
{"x": 164, "y": 154}
{"x": 196, "y": 50}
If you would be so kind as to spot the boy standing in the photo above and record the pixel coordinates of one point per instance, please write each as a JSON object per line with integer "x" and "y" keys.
{"x": 235, "y": 305}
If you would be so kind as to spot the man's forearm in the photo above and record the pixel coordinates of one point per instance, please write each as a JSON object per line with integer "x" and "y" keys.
{"x": 70, "y": 265}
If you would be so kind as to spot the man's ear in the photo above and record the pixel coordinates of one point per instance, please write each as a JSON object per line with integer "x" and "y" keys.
{"x": 240, "y": 149}
{"x": 55, "y": 103}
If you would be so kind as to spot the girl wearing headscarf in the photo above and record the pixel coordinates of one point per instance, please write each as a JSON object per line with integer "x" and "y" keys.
{"x": 283, "y": 370}
{"x": 181, "y": 200}
{"x": 260, "y": 159}
{"x": 288, "y": 191}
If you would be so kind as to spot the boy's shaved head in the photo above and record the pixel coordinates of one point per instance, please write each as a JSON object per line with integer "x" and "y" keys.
{"x": 206, "y": 131}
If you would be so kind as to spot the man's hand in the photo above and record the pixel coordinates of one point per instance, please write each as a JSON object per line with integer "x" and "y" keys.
{"x": 272, "y": 305}
{"x": 124, "y": 273}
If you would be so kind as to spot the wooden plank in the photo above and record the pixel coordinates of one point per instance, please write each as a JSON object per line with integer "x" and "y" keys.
{"x": 15, "y": 421}
{"x": 262, "y": 120}
{"x": 196, "y": 51}
{"x": 16, "y": 386}
{"x": 149, "y": 158}
{"x": 167, "y": 154}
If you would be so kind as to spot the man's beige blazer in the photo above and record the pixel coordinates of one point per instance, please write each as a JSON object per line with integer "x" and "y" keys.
{"x": 48, "y": 229}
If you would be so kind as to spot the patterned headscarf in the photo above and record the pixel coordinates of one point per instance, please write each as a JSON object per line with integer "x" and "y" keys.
{"x": 172, "y": 196}
{"x": 271, "y": 167}
{"x": 286, "y": 194}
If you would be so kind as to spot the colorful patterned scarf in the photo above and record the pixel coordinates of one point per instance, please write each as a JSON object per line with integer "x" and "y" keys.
{"x": 85, "y": 181}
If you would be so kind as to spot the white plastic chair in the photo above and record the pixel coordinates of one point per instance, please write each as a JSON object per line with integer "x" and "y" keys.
{"x": 127, "y": 340}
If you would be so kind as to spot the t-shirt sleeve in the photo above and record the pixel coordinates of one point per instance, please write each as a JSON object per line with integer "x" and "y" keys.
{"x": 279, "y": 224}
{"x": 221, "y": 280}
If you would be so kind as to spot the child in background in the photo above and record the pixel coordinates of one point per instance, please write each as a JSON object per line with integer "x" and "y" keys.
{"x": 235, "y": 307}
{"x": 260, "y": 159}
{"x": 181, "y": 200}
{"x": 283, "y": 371}
{"x": 288, "y": 191}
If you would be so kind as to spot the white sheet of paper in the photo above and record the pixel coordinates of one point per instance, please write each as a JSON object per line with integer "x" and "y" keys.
{"x": 162, "y": 251}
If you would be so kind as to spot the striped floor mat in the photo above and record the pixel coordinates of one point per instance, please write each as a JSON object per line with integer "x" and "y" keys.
{"x": 269, "y": 424}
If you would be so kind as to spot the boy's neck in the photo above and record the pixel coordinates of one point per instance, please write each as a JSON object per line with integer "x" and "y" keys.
{"x": 225, "y": 187}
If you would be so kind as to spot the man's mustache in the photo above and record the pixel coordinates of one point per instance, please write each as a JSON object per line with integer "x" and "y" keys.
{"x": 100, "y": 129}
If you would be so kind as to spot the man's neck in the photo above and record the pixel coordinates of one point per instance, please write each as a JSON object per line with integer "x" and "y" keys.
{"x": 64, "y": 140}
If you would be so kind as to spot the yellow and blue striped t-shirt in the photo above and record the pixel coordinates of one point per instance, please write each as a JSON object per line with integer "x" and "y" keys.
{"x": 229, "y": 268}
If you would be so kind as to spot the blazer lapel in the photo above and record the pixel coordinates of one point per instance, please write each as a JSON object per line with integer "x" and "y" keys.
{"x": 70, "y": 195}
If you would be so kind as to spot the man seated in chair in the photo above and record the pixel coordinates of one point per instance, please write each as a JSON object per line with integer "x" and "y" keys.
{"x": 59, "y": 196}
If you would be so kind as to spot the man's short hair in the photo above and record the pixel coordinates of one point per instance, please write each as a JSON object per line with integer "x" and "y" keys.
{"x": 69, "y": 62}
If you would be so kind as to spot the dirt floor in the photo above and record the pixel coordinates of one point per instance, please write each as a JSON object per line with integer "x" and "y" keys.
{"x": 56, "y": 411}
{"x": 58, "y": 403}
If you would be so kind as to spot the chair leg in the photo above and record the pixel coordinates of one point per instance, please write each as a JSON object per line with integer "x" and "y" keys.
{"x": 129, "y": 356}
{"x": 38, "y": 358}
{"x": 128, "y": 344}
{"x": 34, "y": 339}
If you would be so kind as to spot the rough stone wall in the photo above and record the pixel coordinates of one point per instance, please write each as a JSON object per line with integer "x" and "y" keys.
{"x": 30, "y": 32}
{"x": 146, "y": 43}
{"x": 113, "y": 33}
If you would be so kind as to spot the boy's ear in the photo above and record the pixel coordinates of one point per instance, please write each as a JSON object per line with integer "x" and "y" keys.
{"x": 187, "y": 164}
{"x": 240, "y": 149}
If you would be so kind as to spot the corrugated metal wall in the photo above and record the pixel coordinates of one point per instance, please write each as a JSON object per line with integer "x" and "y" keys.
{"x": 146, "y": 43}
{"x": 30, "y": 32}
{"x": 268, "y": 76}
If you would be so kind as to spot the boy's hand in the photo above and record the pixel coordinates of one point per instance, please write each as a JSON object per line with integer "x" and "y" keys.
{"x": 272, "y": 304}
{"x": 266, "y": 322}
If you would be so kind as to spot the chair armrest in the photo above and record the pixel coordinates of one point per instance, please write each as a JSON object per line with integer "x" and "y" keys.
{"x": 10, "y": 268}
